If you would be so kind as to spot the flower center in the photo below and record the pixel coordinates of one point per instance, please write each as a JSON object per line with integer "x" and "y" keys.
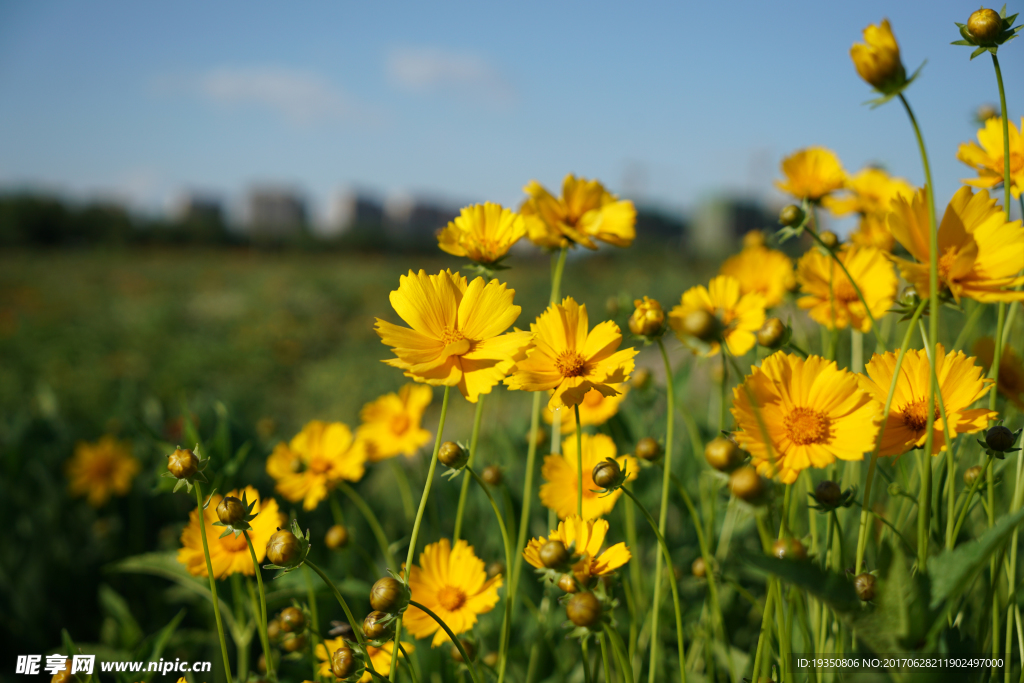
{"x": 319, "y": 465}
{"x": 451, "y": 598}
{"x": 915, "y": 415}
{"x": 946, "y": 261}
{"x": 570, "y": 364}
{"x": 400, "y": 424}
{"x": 451, "y": 336}
{"x": 102, "y": 468}
{"x": 806, "y": 426}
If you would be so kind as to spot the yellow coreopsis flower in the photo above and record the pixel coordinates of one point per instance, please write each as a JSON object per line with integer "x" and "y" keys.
{"x": 960, "y": 383}
{"x": 980, "y": 253}
{"x": 456, "y": 338}
{"x": 811, "y": 174}
{"x": 813, "y": 413}
{"x": 877, "y": 59}
{"x": 1011, "y": 371}
{"x": 568, "y": 360}
{"x": 741, "y": 315}
{"x": 561, "y": 478}
{"x": 482, "y": 232}
{"x": 869, "y": 193}
{"x": 582, "y": 538}
{"x": 988, "y": 159}
{"x": 452, "y": 583}
{"x": 873, "y": 231}
{"x": 229, "y": 555}
{"x": 380, "y": 656}
{"x": 101, "y": 469}
{"x": 315, "y": 460}
{"x": 761, "y": 270}
{"x": 391, "y": 423}
{"x": 595, "y": 409}
{"x": 830, "y": 298}
{"x": 585, "y": 212}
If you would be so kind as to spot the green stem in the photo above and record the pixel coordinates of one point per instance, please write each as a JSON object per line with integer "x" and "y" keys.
{"x": 672, "y": 584}
{"x": 524, "y": 515}
{"x": 1011, "y": 576}
{"x": 970, "y": 497}
{"x": 556, "y": 276}
{"x": 663, "y": 512}
{"x": 460, "y": 510}
{"x": 213, "y": 584}
{"x": 458, "y": 643}
{"x": 621, "y": 655}
{"x": 263, "y": 607}
{"x": 765, "y": 633}
{"x": 348, "y": 612}
{"x": 604, "y": 658}
{"x": 862, "y": 533}
{"x": 586, "y": 661}
{"x": 372, "y": 521}
{"x": 313, "y": 617}
{"x": 579, "y": 464}
{"x": 404, "y": 491}
{"x": 1006, "y": 147}
{"x": 723, "y": 389}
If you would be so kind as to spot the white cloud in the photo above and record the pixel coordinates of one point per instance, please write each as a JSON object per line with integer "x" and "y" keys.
{"x": 435, "y": 70}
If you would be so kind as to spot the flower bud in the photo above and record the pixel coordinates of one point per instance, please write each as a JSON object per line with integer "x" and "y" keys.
{"x": 468, "y": 646}
{"x": 337, "y": 537}
{"x": 723, "y": 454}
{"x": 648, "y": 449}
{"x": 554, "y": 554}
{"x": 64, "y": 675}
{"x": 789, "y": 549}
{"x": 273, "y": 630}
{"x": 293, "y": 642}
{"x": 492, "y": 475}
{"x": 999, "y": 438}
{"x": 747, "y": 485}
{"x": 292, "y": 619}
{"x": 453, "y": 455}
{"x": 343, "y": 662}
{"x": 702, "y": 325}
{"x": 495, "y": 569}
{"x": 641, "y": 378}
{"x": 829, "y": 239}
{"x": 985, "y": 25}
{"x": 491, "y": 659}
{"x": 972, "y": 474}
{"x": 877, "y": 59}
{"x": 864, "y": 584}
{"x": 584, "y": 609}
{"x": 986, "y": 112}
{"x": 182, "y": 463}
{"x": 698, "y": 568}
{"x": 230, "y": 510}
{"x": 283, "y": 548}
{"x": 539, "y": 438}
{"x": 828, "y": 493}
{"x": 753, "y": 239}
{"x": 648, "y": 318}
{"x": 375, "y": 626}
{"x": 772, "y": 333}
{"x": 389, "y": 595}
{"x": 791, "y": 215}
{"x": 606, "y": 473}
{"x": 567, "y": 583}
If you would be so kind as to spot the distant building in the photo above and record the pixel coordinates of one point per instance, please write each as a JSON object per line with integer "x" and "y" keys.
{"x": 412, "y": 222}
{"x": 274, "y": 212}
{"x": 718, "y": 225}
{"x": 351, "y": 211}
{"x": 194, "y": 207}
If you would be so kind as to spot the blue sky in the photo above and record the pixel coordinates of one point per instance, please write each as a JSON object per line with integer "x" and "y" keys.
{"x": 666, "y": 102}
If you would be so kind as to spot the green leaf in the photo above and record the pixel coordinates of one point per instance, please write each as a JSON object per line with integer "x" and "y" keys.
{"x": 829, "y": 587}
{"x": 117, "y": 608}
{"x": 961, "y": 42}
{"x": 162, "y": 636}
{"x": 961, "y": 564}
{"x": 978, "y": 52}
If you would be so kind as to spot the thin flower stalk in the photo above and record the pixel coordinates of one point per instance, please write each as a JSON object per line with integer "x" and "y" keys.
{"x": 264, "y": 641}
{"x": 451, "y": 636}
{"x": 348, "y": 615}
{"x": 579, "y": 463}
{"x": 372, "y": 522}
{"x": 464, "y": 492}
{"x": 213, "y": 586}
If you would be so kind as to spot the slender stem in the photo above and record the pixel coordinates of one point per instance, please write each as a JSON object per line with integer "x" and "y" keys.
{"x": 213, "y": 584}
{"x": 604, "y": 658}
{"x": 671, "y": 582}
{"x": 723, "y": 394}
{"x": 579, "y": 464}
{"x": 404, "y": 491}
{"x": 1006, "y": 146}
{"x": 460, "y": 510}
{"x": 586, "y": 662}
{"x": 556, "y": 276}
{"x": 313, "y": 617}
{"x": 1011, "y": 576}
{"x": 970, "y": 495}
{"x": 348, "y": 612}
{"x": 765, "y": 634}
{"x": 458, "y": 643}
{"x": 372, "y": 521}
{"x": 411, "y": 554}
{"x": 665, "y": 479}
{"x": 264, "y": 641}
{"x": 625, "y": 667}
{"x": 862, "y": 534}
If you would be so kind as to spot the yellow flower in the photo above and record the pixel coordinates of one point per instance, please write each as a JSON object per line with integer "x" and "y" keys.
{"x": 315, "y": 460}
{"x": 561, "y": 485}
{"x": 570, "y": 361}
{"x": 595, "y": 409}
{"x": 811, "y": 174}
{"x": 99, "y": 470}
{"x": 584, "y": 539}
{"x": 380, "y": 656}
{"x": 763, "y": 271}
{"x": 813, "y": 412}
{"x": 585, "y": 212}
{"x": 839, "y": 306}
{"x": 741, "y": 315}
{"x": 877, "y": 59}
{"x": 980, "y": 254}
{"x": 988, "y": 159}
{"x": 482, "y": 232}
{"x": 391, "y": 424}
{"x": 869, "y": 193}
{"x": 456, "y": 338}
{"x": 452, "y": 583}
{"x": 229, "y": 555}
{"x": 648, "y": 318}
{"x": 873, "y": 231}
{"x": 1011, "y": 371}
{"x": 960, "y": 383}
